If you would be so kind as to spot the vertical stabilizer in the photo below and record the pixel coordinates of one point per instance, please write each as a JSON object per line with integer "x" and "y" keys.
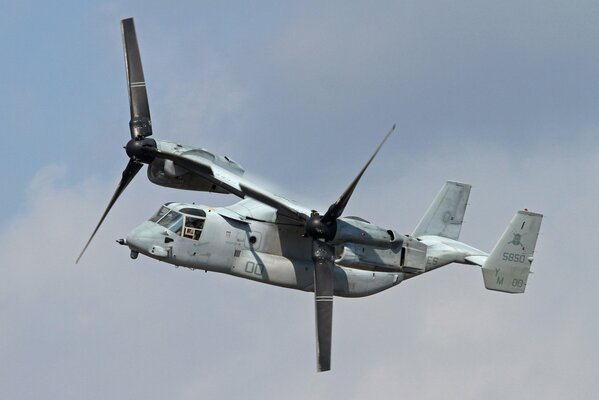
{"x": 446, "y": 214}
{"x": 507, "y": 267}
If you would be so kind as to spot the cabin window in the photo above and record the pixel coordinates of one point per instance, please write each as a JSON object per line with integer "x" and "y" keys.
{"x": 193, "y": 227}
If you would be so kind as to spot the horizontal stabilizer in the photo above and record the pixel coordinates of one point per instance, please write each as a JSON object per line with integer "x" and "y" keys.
{"x": 445, "y": 215}
{"x": 507, "y": 267}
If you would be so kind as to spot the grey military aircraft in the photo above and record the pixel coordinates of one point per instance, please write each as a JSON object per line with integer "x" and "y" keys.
{"x": 270, "y": 239}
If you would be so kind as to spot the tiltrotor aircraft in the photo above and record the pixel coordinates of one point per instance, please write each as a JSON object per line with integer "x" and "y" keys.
{"x": 269, "y": 239}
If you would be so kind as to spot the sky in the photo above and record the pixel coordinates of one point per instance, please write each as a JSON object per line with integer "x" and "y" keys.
{"x": 501, "y": 95}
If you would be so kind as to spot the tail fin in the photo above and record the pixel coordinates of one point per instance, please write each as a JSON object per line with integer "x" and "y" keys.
{"x": 445, "y": 215}
{"x": 507, "y": 267}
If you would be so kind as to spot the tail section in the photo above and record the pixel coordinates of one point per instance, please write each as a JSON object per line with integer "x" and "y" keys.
{"x": 507, "y": 267}
{"x": 446, "y": 214}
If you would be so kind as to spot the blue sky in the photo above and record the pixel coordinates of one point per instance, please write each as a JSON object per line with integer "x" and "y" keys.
{"x": 502, "y": 95}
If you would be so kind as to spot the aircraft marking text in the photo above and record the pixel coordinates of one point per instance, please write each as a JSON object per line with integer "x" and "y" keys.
{"x": 521, "y": 258}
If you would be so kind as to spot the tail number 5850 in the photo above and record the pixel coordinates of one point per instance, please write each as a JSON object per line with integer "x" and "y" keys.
{"x": 520, "y": 258}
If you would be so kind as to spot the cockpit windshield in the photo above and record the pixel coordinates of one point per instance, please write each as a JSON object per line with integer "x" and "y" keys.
{"x": 188, "y": 226}
{"x": 173, "y": 221}
{"x": 161, "y": 213}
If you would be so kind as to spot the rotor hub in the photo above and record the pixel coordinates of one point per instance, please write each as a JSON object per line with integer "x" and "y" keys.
{"x": 318, "y": 229}
{"x": 142, "y": 149}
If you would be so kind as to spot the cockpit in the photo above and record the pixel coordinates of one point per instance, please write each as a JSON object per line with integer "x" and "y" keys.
{"x": 186, "y": 222}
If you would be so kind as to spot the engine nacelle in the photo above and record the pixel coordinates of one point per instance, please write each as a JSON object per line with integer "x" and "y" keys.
{"x": 167, "y": 173}
{"x": 362, "y": 256}
{"x": 367, "y": 246}
{"x": 411, "y": 257}
{"x": 354, "y": 230}
{"x": 172, "y": 170}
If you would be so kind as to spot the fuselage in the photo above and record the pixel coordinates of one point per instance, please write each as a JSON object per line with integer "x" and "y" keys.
{"x": 200, "y": 237}
{"x": 248, "y": 240}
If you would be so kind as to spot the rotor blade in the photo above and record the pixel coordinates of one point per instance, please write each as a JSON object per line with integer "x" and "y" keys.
{"x": 336, "y": 209}
{"x": 140, "y": 123}
{"x": 323, "y": 257}
{"x": 129, "y": 173}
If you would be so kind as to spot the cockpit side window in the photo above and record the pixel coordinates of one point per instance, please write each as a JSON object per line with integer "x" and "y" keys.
{"x": 173, "y": 221}
{"x": 193, "y": 227}
{"x": 161, "y": 213}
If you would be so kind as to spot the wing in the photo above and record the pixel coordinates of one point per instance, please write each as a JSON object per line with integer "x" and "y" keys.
{"x": 197, "y": 169}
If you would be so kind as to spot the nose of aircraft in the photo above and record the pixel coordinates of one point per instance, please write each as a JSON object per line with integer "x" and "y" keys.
{"x": 148, "y": 238}
{"x": 139, "y": 238}
{"x": 144, "y": 237}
